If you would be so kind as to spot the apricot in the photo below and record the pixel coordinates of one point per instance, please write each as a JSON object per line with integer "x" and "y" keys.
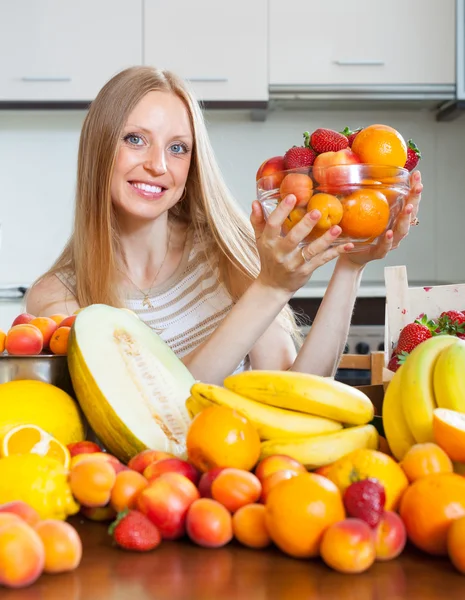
{"x": 234, "y": 488}
{"x": 269, "y": 482}
{"x": 22, "y": 555}
{"x": 206, "y": 480}
{"x": 86, "y": 456}
{"x": 62, "y": 544}
{"x": 99, "y": 513}
{"x": 330, "y": 208}
{"x": 24, "y": 339}
{"x": 249, "y": 526}
{"x": 298, "y": 184}
{"x": 23, "y": 510}
{"x": 2, "y": 341}
{"x": 294, "y": 217}
{"x": 23, "y": 319}
{"x": 456, "y": 544}
{"x": 278, "y": 462}
{"x": 91, "y": 482}
{"x": 348, "y": 546}
{"x": 172, "y": 465}
{"x": 390, "y": 536}
{"x": 6, "y": 518}
{"x": 59, "y": 341}
{"x": 84, "y": 447}
{"x": 68, "y": 321}
{"x": 128, "y": 484}
{"x": 141, "y": 461}
{"x": 209, "y": 523}
{"x": 47, "y": 328}
{"x": 58, "y": 318}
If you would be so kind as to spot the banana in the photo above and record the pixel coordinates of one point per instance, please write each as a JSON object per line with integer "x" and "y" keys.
{"x": 417, "y": 392}
{"x": 320, "y": 450}
{"x": 194, "y": 406}
{"x": 269, "y": 421}
{"x": 395, "y": 426}
{"x": 449, "y": 377}
{"x": 305, "y": 393}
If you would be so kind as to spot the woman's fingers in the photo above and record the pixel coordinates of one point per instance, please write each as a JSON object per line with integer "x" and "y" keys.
{"x": 316, "y": 259}
{"x": 301, "y": 229}
{"x": 416, "y": 187}
{"x": 257, "y": 219}
{"x": 279, "y": 215}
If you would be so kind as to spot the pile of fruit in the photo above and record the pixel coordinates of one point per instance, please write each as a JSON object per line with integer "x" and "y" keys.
{"x": 354, "y": 178}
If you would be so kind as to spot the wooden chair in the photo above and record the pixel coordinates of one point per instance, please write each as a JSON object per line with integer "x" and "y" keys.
{"x": 373, "y": 362}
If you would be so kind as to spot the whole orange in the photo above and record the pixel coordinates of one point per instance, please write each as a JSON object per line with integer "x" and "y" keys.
{"x": 298, "y": 512}
{"x": 456, "y": 544}
{"x": 380, "y": 145}
{"x": 425, "y": 459}
{"x": 428, "y": 508}
{"x": 221, "y": 437}
{"x": 365, "y": 214}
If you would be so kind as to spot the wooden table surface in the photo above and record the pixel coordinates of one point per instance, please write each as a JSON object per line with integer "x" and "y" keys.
{"x": 182, "y": 571}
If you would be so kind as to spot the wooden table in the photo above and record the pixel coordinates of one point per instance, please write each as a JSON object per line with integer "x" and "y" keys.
{"x": 182, "y": 571}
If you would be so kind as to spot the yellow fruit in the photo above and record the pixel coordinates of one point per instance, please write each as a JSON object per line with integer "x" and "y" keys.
{"x": 366, "y": 463}
{"x": 129, "y": 383}
{"x": 449, "y": 377}
{"x": 269, "y": 421}
{"x": 449, "y": 432}
{"x": 396, "y": 429}
{"x": 39, "y": 481}
{"x": 38, "y": 403}
{"x": 319, "y": 450}
{"x": 306, "y": 393}
{"x": 25, "y": 439}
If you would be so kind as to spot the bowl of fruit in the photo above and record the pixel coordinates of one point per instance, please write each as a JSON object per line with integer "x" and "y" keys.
{"x": 358, "y": 180}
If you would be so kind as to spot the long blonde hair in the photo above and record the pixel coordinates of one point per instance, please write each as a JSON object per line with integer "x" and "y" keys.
{"x": 92, "y": 253}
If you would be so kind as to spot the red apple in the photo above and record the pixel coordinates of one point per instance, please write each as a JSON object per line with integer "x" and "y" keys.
{"x": 273, "y": 170}
{"x": 332, "y": 169}
{"x": 141, "y": 461}
{"x": 84, "y": 447}
{"x": 172, "y": 465}
{"x": 205, "y": 483}
{"x": 165, "y": 501}
{"x": 22, "y": 319}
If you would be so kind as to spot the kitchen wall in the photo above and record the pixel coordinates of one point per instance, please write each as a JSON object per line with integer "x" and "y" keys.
{"x": 37, "y": 177}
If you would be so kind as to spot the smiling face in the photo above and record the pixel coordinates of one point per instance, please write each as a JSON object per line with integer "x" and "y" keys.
{"x": 154, "y": 157}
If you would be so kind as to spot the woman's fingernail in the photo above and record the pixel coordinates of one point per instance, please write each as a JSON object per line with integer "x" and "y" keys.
{"x": 389, "y": 235}
{"x": 348, "y": 247}
{"x": 315, "y": 214}
{"x": 290, "y": 199}
{"x": 335, "y": 230}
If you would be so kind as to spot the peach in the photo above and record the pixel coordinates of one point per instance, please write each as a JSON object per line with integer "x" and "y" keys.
{"x": 234, "y": 488}
{"x": 68, "y": 321}
{"x": 172, "y": 465}
{"x": 24, "y": 339}
{"x": 23, "y": 510}
{"x": 166, "y": 501}
{"x": 272, "y": 169}
{"x": 298, "y": 184}
{"x": 206, "y": 480}
{"x": 22, "y": 555}
{"x": 332, "y": 169}
{"x": 22, "y": 319}
{"x": 128, "y": 485}
{"x": 99, "y": 513}
{"x": 2, "y": 340}
{"x": 84, "y": 447}
{"x": 278, "y": 462}
{"x": 141, "y": 461}
{"x": 269, "y": 482}
{"x": 390, "y": 536}
{"x": 348, "y": 546}
{"x": 46, "y": 326}
{"x": 91, "y": 482}
{"x": 58, "y": 318}
{"x": 63, "y": 547}
{"x": 208, "y": 523}
{"x": 6, "y": 518}
{"x": 249, "y": 526}
{"x": 59, "y": 341}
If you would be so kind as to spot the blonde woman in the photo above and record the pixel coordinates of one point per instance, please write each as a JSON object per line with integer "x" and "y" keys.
{"x": 156, "y": 230}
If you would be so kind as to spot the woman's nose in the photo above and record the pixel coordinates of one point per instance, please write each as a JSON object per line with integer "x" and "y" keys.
{"x": 155, "y": 160}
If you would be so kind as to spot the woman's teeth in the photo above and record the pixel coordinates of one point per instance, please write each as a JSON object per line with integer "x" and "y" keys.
{"x": 153, "y": 189}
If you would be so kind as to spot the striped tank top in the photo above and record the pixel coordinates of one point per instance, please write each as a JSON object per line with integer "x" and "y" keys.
{"x": 185, "y": 309}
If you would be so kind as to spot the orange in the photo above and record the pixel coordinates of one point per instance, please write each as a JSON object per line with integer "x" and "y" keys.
{"x": 365, "y": 214}
{"x": 428, "y": 508}
{"x": 221, "y": 437}
{"x": 330, "y": 208}
{"x": 298, "y": 512}
{"x": 449, "y": 432}
{"x": 456, "y": 544}
{"x": 24, "y": 439}
{"x": 425, "y": 459}
{"x": 380, "y": 145}
{"x": 364, "y": 464}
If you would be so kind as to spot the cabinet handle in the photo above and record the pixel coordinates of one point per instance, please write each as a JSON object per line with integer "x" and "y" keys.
{"x": 360, "y": 63}
{"x": 208, "y": 79}
{"x": 46, "y": 79}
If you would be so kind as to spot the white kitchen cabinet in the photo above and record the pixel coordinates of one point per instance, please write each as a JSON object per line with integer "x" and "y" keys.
{"x": 362, "y": 43}
{"x": 220, "y": 47}
{"x": 59, "y": 50}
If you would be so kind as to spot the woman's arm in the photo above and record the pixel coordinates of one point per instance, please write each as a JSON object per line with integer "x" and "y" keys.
{"x": 50, "y": 296}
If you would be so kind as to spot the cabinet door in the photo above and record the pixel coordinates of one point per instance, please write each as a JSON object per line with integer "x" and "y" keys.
{"x": 66, "y": 50}
{"x": 220, "y": 47}
{"x": 362, "y": 42}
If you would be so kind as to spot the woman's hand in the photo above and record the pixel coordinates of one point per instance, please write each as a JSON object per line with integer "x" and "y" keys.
{"x": 400, "y": 230}
{"x": 284, "y": 264}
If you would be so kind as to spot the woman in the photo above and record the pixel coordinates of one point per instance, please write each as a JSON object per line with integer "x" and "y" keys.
{"x": 156, "y": 230}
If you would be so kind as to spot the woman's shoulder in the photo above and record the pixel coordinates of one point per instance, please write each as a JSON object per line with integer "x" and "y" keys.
{"x": 49, "y": 296}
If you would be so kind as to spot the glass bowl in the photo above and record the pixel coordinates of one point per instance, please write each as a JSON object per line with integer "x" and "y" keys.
{"x": 364, "y": 200}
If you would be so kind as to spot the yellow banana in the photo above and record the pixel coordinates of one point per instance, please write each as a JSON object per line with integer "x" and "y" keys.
{"x": 310, "y": 394}
{"x": 269, "y": 421}
{"x": 395, "y": 426}
{"x": 194, "y": 406}
{"x": 449, "y": 377}
{"x": 320, "y": 450}
{"x": 417, "y": 392}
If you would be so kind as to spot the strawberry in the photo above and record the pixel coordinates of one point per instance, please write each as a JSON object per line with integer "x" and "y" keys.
{"x": 413, "y": 156}
{"x": 328, "y": 140}
{"x": 397, "y": 360}
{"x": 452, "y": 322}
{"x": 300, "y": 156}
{"x": 351, "y": 135}
{"x": 415, "y": 333}
{"x": 134, "y": 531}
{"x": 365, "y": 500}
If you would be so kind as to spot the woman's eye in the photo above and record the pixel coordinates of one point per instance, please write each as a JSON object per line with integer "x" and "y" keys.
{"x": 133, "y": 139}
{"x": 178, "y": 148}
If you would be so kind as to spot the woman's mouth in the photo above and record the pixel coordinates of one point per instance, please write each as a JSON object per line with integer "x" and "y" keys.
{"x": 147, "y": 190}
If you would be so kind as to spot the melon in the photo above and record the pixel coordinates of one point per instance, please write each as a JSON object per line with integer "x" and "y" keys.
{"x": 130, "y": 385}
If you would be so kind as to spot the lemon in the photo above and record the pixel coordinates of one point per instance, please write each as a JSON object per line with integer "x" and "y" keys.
{"x": 40, "y": 481}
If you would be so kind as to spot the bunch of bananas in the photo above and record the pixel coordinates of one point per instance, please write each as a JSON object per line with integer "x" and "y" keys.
{"x": 315, "y": 420}
{"x": 432, "y": 376}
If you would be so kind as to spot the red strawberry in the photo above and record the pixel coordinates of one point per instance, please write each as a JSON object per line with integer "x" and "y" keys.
{"x": 365, "y": 500}
{"x": 413, "y": 156}
{"x": 397, "y": 360}
{"x": 328, "y": 140}
{"x": 351, "y": 135}
{"x": 452, "y": 322}
{"x": 134, "y": 531}
{"x": 300, "y": 156}
{"x": 415, "y": 333}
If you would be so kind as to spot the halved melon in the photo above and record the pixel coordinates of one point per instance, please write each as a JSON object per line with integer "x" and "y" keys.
{"x": 129, "y": 383}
